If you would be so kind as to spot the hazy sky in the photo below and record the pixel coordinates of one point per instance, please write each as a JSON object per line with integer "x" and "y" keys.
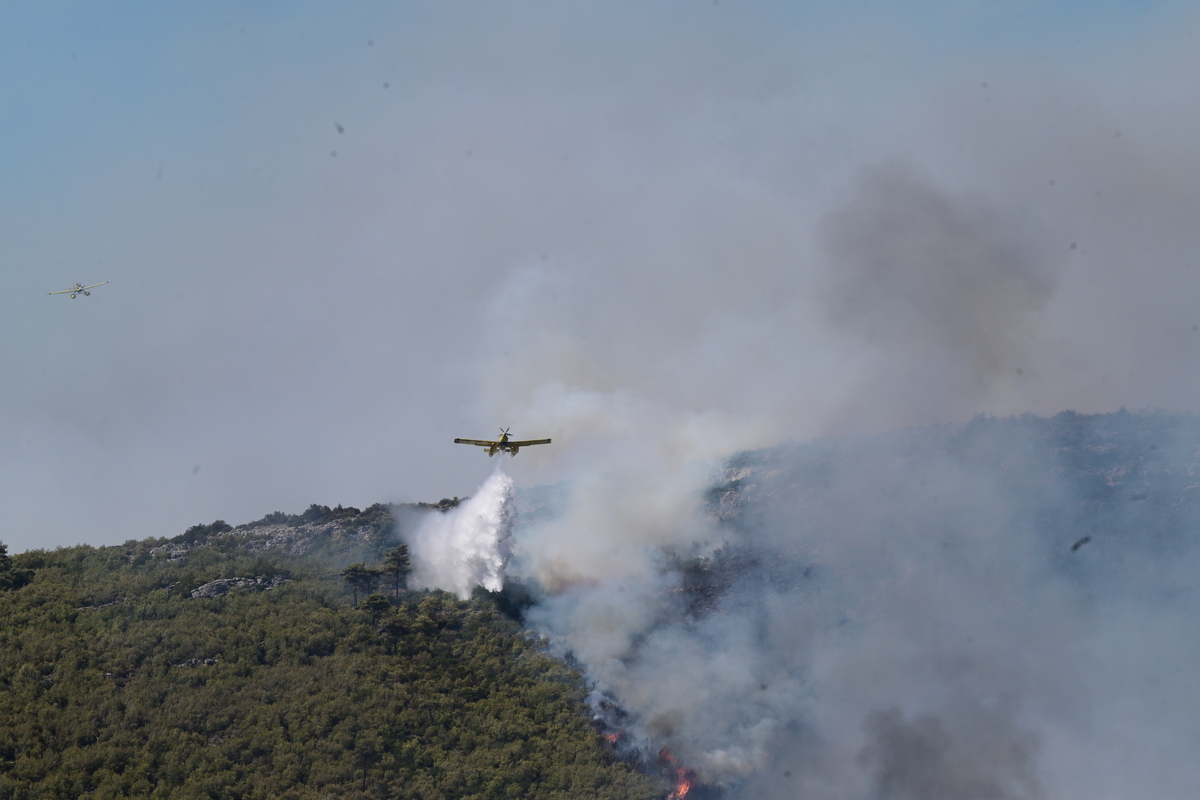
{"x": 339, "y": 235}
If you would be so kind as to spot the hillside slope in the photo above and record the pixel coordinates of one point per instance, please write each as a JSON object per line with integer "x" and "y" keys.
{"x": 118, "y": 679}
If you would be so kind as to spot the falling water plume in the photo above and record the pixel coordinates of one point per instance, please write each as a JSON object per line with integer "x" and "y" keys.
{"x": 468, "y": 546}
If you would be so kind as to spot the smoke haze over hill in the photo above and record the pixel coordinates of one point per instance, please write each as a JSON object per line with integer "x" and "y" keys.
{"x": 914, "y": 616}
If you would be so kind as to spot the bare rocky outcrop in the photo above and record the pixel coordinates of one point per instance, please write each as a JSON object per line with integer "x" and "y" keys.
{"x": 297, "y": 540}
{"x": 289, "y": 539}
{"x": 172, "y": 551}
{"x": 223, "y": 586}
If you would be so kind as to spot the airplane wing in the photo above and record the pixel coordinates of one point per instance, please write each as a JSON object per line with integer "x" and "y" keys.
{"x": 64, "y": 291}
{"x": 528, "y": 442}
{"x": 93, "y": 286}
{"x": 478, "y": 442}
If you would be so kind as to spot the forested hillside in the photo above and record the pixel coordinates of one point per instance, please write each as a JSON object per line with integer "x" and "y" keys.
{"x": 151, "y": 670}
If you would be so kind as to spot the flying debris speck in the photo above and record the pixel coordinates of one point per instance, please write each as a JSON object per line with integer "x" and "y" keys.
{"x": 1080, "y": 543}
{"x": 339, "y": 127}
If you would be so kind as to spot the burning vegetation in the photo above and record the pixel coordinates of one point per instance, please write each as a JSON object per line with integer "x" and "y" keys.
{"x": 844, "y": 578}
{"x": 682, "y": 777}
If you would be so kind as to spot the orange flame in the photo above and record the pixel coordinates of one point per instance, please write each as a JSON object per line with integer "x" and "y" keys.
{"x": 684, "y": 777}
{"x": 612, "y": 738}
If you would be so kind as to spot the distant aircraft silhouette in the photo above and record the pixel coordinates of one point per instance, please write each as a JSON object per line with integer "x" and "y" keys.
{"x": 78, "y": 289}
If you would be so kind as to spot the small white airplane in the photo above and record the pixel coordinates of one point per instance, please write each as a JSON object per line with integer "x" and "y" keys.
{"x": 503, "y": 445}
{"x": 77, "y": 289}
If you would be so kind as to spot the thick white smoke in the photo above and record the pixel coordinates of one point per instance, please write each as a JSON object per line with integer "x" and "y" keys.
{"x": 467, "y": 546}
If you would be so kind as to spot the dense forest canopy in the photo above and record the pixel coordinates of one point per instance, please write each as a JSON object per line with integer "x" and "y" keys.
{"x": 120, "y": 678}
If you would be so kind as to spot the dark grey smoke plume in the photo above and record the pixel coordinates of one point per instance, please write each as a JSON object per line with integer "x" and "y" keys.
{"x": 940, "y": 289}
{"x": 981, "y": 758}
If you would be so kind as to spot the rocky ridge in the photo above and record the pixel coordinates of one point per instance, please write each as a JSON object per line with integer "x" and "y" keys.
{"x": 223, "y": 586}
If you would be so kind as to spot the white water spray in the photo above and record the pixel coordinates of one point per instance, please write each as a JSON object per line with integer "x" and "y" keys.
{"x": 467, "y": 546}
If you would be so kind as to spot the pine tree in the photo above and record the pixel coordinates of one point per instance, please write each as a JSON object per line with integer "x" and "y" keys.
{"x": 396, "y": 563}
{"x": 360, "y": 577}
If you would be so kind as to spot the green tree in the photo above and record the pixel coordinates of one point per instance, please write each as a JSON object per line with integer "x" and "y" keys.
{"x": 376, "y": 605}
{"x": 360, "y": 578}
{"x": 394, "y": 629}
{"x": 11, "y": 578}
{"x": 396, "y": 563}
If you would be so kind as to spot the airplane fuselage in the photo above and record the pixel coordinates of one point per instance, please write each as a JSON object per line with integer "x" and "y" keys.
{"x": 79, "y": 289}
{"x": 503, "y": 445}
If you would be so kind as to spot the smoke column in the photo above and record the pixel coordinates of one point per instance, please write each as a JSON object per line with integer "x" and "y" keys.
{"x": 467, "y": 546}
{"x": 913, "y": 616}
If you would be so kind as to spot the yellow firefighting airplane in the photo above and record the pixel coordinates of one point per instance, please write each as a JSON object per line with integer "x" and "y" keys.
{"x": 504, "y": 445}
{"x": 78, "y": 289}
